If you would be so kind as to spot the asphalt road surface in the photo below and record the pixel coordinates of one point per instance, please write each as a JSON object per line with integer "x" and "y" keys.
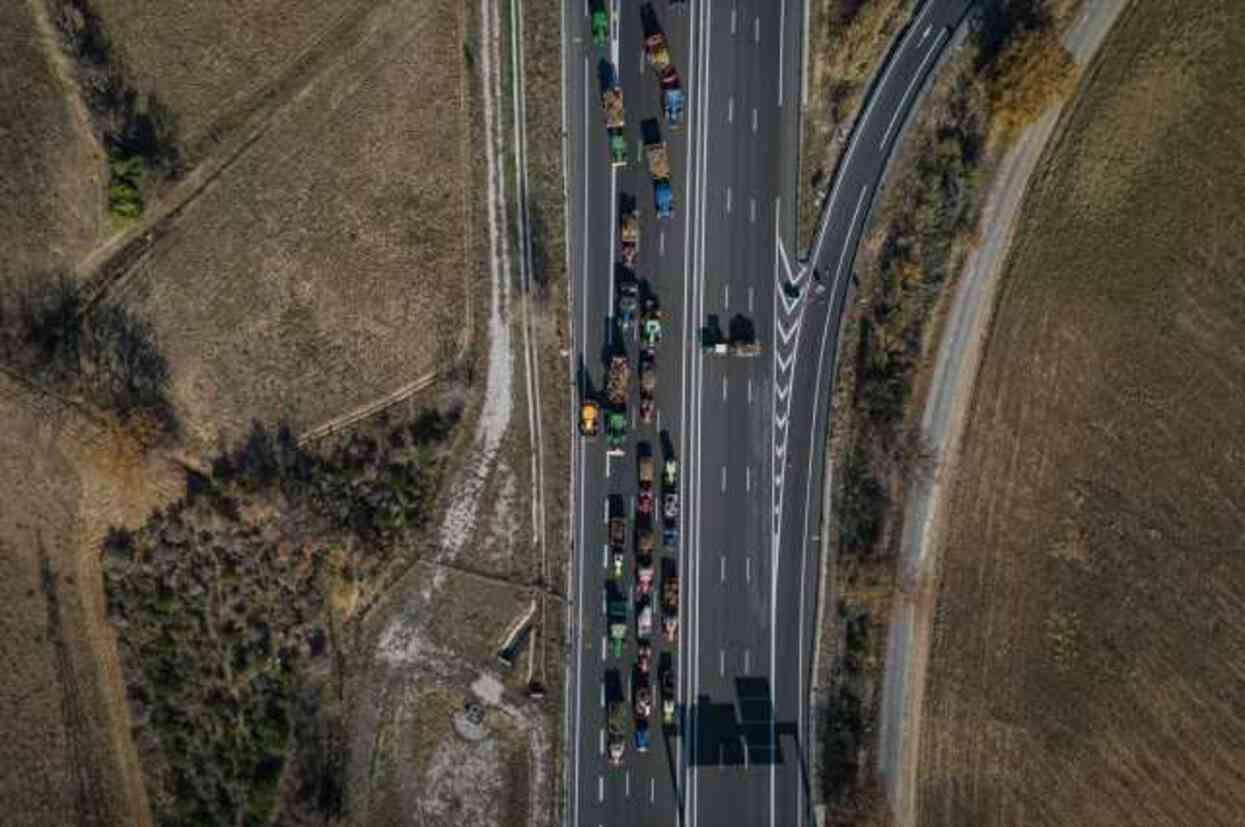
{"x": 748, "y": 432}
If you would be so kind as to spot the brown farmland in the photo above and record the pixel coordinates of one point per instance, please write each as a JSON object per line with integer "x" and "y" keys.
{"x": 1087, "y": 658}
{"x": 326, "y": 266}
{"x": 64, "y": 741}
{"x": 52, "y": 185}
{"x": 205, "y": 59}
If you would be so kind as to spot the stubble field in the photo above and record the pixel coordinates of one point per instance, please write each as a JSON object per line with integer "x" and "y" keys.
{"x": 64, "y": 736}
{"x": 53, "y": 168}
{"x": 326, "y": 266}
{"x": 1086, "y": 663}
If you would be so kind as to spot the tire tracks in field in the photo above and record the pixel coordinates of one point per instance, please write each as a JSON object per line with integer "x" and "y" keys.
{"x": 110, "y": 266}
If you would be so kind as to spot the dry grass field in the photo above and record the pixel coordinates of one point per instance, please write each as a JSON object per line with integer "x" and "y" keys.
{"x": 52, "y": 185}
{"x": 326, "y": 266}
{"x": 1087, "y": 657}
{"x": 205, "y": 59}
{"x": 64, "y": 740}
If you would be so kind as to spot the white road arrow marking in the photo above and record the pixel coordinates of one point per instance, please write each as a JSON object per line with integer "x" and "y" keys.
{"x": 783, "y": 364}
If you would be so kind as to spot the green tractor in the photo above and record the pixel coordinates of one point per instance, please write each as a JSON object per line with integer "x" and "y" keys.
{"x": 616, "y": 433}
{"x": 600, "y": 24}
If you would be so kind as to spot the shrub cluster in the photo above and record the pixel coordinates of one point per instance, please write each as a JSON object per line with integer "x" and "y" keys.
{"x": 138, "y": 132}
{"x": 108, "y": 356}
{"x": 222, "y": 604}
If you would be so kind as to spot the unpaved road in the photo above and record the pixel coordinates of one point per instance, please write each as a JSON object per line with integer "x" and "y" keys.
{"x": 942, "y": 424}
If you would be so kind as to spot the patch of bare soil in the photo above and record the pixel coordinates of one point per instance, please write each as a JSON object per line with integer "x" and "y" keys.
{"x": 1086, "y": 656}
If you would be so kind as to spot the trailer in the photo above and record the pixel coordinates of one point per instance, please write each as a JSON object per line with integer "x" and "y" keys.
{"x": 650, "y": 326}
{"x": 615, "y": 124}
{"x": 670, "y": 605}
{"x": 644, "y": 574}
{"x": 644, "y": 618}
{"x": 672, "y": 98}
{"x": 648, "y": 387}
{"x": 617, "y": 731}
{"x": 658, "y": 157}
{"x": 657, "y": 52}
{"x": 618, "y": 381}
{"x": 629, "y": 232}
{"x": 616, "y": 614}
{"x": 618, "y": 542}
{"x": 644, "y": 502}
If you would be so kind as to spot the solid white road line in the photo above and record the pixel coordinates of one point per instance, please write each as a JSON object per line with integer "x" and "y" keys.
{"x": 903, "y": 102}
{"x": 582, "y": 564}
{"x": 782, "y": 39}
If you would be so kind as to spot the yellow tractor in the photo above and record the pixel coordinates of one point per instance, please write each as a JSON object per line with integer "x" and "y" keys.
{"x": 589, "y": 418}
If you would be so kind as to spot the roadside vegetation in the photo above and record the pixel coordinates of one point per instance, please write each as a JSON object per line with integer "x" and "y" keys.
{"x": 234, "y": 613}
{"x": 1085, "y": 663}
{"x": 138, "y": 133}
{"x": 847, "y": 41}
{"x": 1011, "y": 69}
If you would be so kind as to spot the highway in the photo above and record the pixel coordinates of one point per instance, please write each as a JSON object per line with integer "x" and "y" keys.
{"x": 748, "y": 432}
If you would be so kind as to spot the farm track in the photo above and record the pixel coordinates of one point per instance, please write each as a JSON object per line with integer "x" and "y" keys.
{"x": 110, "y": 265}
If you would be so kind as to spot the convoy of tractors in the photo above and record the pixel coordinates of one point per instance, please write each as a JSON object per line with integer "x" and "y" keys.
{"x": 642, "y": 589}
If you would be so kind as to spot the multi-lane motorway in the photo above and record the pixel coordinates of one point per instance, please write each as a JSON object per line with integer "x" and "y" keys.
{"x": 748, "y": 432}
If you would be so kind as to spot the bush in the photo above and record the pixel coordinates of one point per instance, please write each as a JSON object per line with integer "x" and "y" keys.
{"x": 1033, "y": 72}
{"x": 221, "y": 606}
{"x": 108, "y": 356}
